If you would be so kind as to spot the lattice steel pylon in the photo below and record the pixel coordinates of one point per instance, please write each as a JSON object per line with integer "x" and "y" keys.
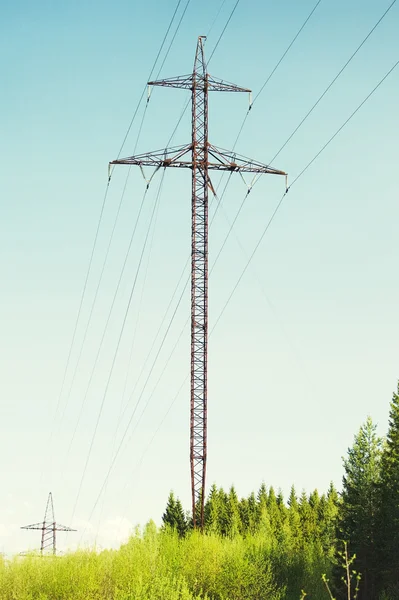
{"x": 200, "y": 156}
{"x": 48, "y": 528}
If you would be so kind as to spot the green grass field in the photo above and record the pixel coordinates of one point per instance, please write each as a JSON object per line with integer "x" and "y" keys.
{"x": 158, "y": 565}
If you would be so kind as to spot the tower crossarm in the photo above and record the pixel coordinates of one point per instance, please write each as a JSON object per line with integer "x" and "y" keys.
{"x": 60, "y": 527}
{"x": 226, "y": 160}
{"x": 35, "y": 526}
{"x": 178, "y": 156}
{"x": 184, "y": 82}
{"x": 48, "y": 526}
{"x": 212, "y": 84}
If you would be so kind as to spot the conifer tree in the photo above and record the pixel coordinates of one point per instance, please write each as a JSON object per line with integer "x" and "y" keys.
{"x": 327, "y": 524}
{"x": 292, "y": 499}
{"x": 243, "y": 508}
{"x": 305, "y": 513}
{"x": 263, "y": 519}
{"x": 294, "y": 518}
{"x": 223, "y": 512}
{"x": 358, "y": 510}
{"x": 233, "y": 514}
{"x": 169, "y": 515}
{"x": 388, "y": 518}
{"x": 174, "y": 516}
{"x": 212, "y": 511}
{"x": 273, "y": 510}
{"x": 252, "y": 514}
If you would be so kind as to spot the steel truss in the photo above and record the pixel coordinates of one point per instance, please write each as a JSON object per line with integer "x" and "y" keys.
{"x": 48, "y": 528}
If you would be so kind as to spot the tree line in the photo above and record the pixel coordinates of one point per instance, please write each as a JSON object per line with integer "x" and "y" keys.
{"x": 352, "y": 536}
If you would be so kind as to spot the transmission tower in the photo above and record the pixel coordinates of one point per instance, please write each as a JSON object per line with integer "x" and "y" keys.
{"x": 48, "y": 528}
{"x": 200, "y": 156}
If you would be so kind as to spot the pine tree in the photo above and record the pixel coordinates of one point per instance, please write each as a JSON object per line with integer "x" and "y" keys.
{"x": 358, "y": 510}
{"x": 388, "y": 518}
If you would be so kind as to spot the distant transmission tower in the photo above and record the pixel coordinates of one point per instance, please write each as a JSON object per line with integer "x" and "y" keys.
{"x": 48, "y": 528}
{"x": 200, "y": 156}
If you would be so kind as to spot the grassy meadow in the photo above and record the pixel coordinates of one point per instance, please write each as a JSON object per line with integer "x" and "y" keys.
{"x": 159, "y": 564}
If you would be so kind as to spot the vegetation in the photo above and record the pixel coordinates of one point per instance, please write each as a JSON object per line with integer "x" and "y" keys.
{"x": 317, "y": 546}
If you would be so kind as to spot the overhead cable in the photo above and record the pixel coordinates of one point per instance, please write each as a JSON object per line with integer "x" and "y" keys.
{"x": 334, "y": 80}
{"x": 117, "y": 346}
{"x": 294, "y": 181}
{"x": 149, "y": 77}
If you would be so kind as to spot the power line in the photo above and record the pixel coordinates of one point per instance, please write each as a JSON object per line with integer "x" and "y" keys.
{"x": 101, "y": 274}
{"x": 175, "y": 397}
{"x": 286, "y": 51}
{"x": 108, "y": 320}
{"x": 132, "y": 344}
{"x": 101, "y": 215}
{"x": 118, "y": 344}
{"x": 172, "y": 40}
{"x": 344, "y": 123}
{"x": 94, "y": 299}
{"x": 155, "y": 360}
{"x": 138, "y": 312}
{"x": 334, "y": 80}
{"x": 223, "y": 31}
{"x": 152, "y": 368}
{"x": 311, "y": 109}
{"x": 249, "y": 109}
{"x": 138, "y": 464}
{"x": 169, "y": 305}
{"x": 275, "y": 69}
{"x": 120, "y": 150}
{"x": 295, "y": 180}
{"x": 149, "y": 77}
{"x": 216, "y": 18}
{"x": 77, "y": 318}
{"x": 115, "y": 457}
{"x": 83, "y": 294}
{"x": 156, "y": 336}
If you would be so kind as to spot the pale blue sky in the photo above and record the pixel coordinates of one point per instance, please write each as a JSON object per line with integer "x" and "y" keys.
{"x": 307, "y": 347}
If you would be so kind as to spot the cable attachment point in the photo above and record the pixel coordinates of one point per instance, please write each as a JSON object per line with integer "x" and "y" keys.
{"x": 250, "y": 101}
{"x": 286, "y": 184}
{"x": 144, "y": 177}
